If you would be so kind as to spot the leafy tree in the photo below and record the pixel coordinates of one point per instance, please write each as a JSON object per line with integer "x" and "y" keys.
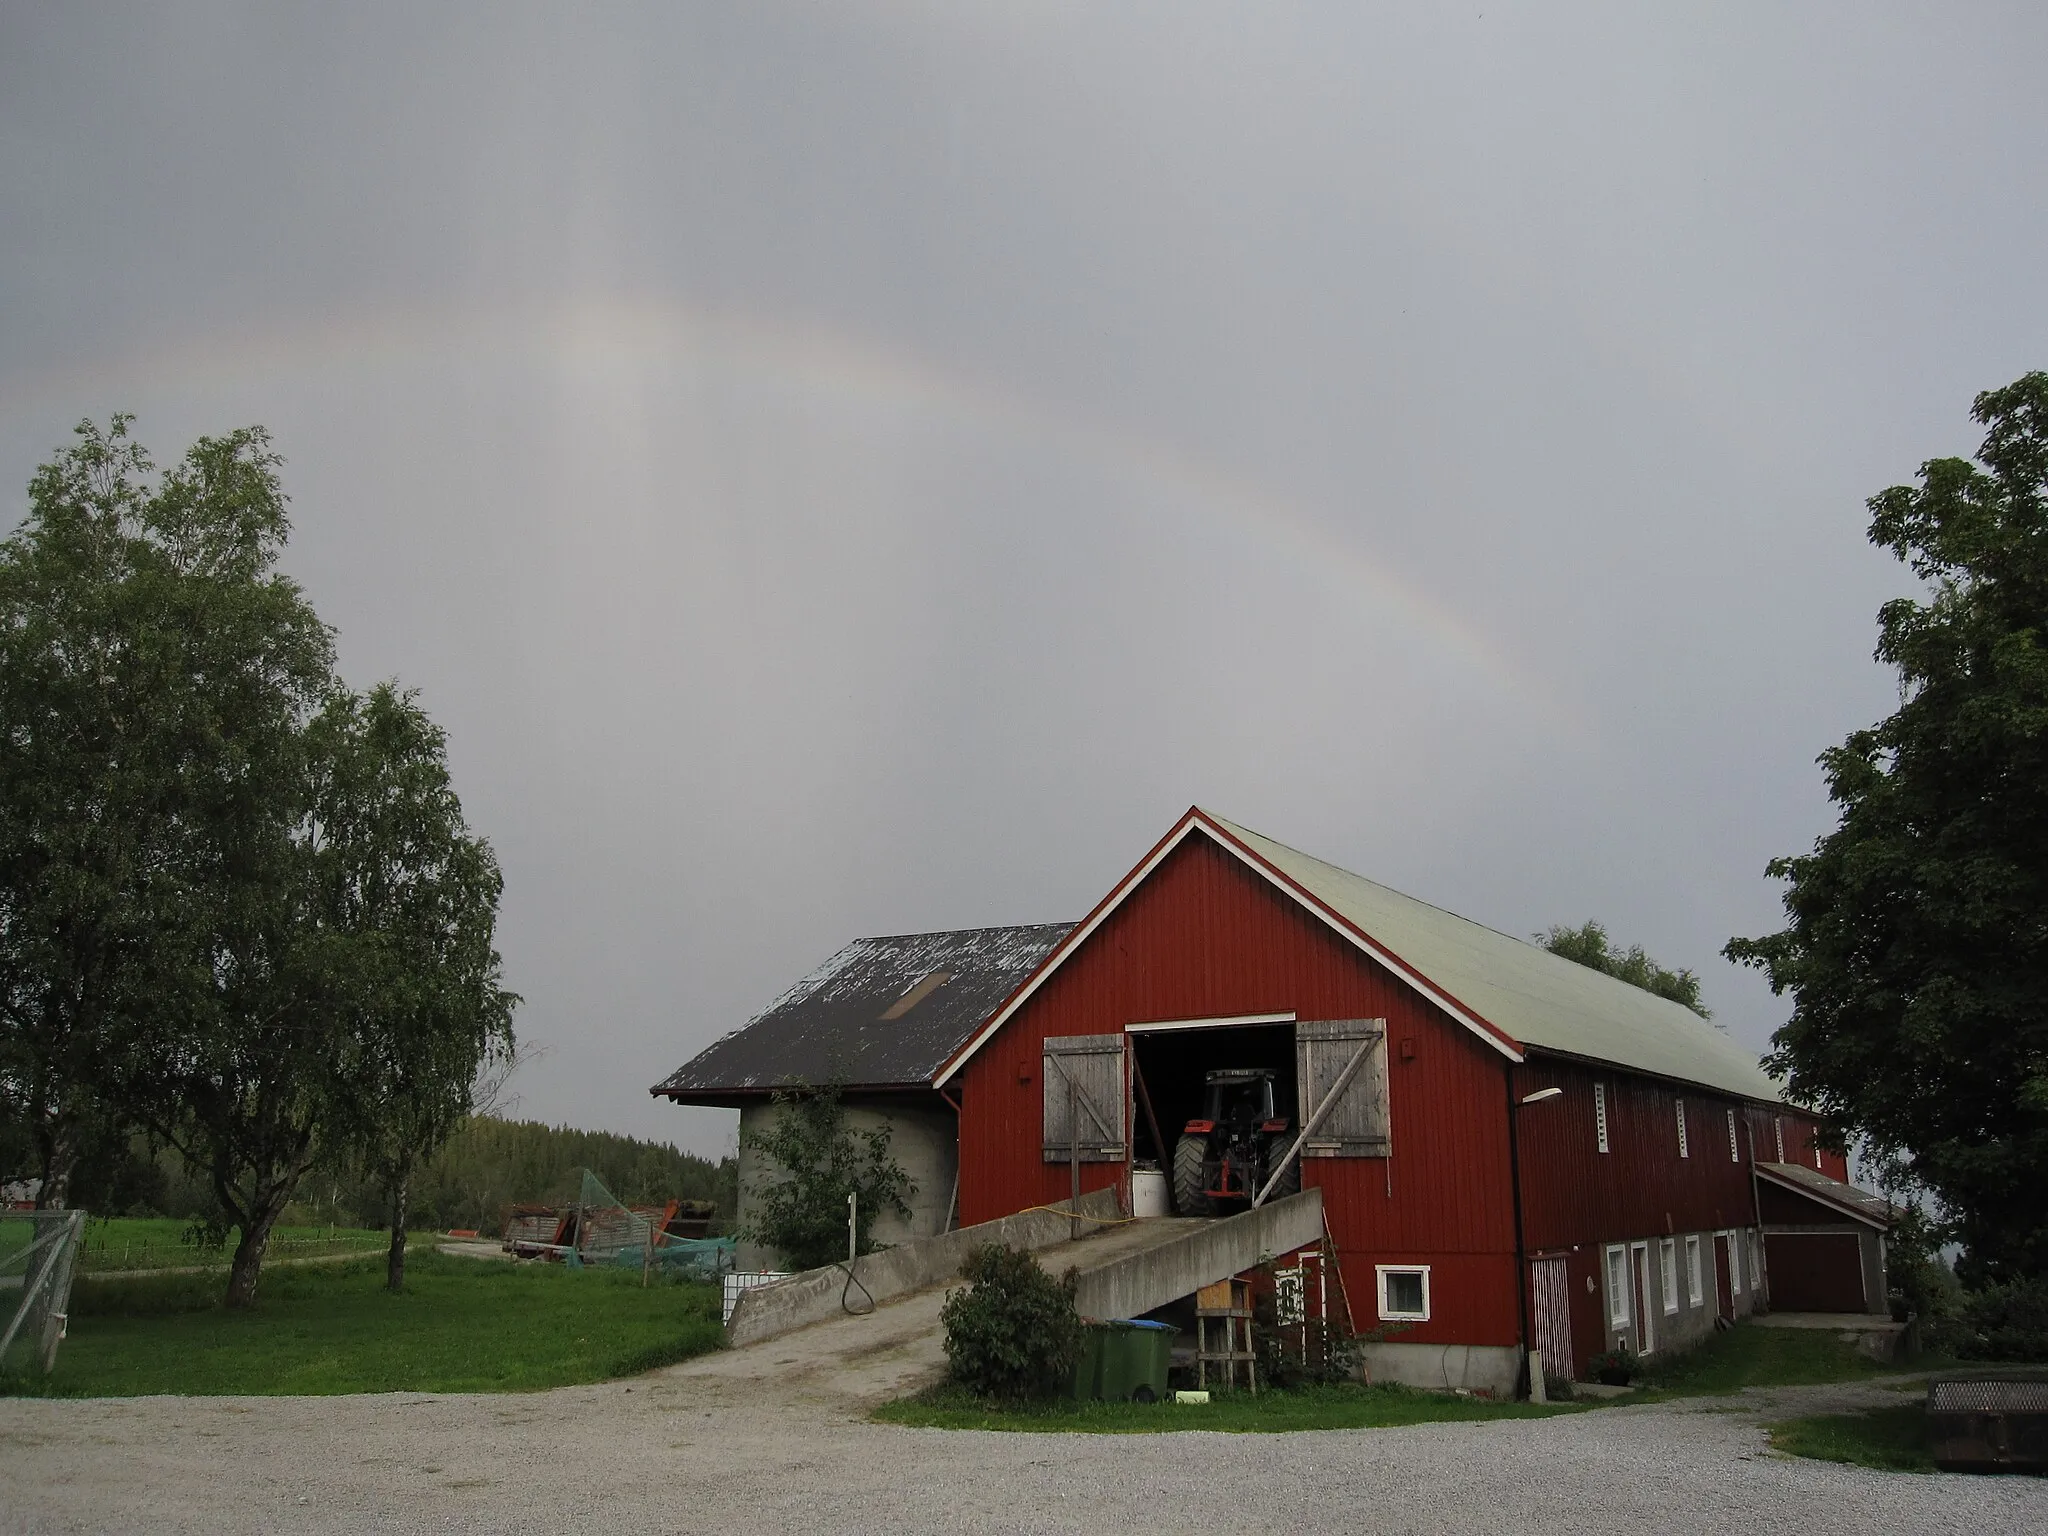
{"x": 801, "y": 1211}
{"x": 1916, "y": 951}
{"x": 154, "y": 669}
{"x": 406, "y": 905}
{"x": 238, "y": 908}
{"x": 1589, "y": 946}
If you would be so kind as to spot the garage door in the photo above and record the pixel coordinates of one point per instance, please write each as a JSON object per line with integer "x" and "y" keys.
{"x": 1815, "y": 1271}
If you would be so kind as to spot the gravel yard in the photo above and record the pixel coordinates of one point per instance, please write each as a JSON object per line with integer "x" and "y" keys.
{"x": 707, "y": 1447}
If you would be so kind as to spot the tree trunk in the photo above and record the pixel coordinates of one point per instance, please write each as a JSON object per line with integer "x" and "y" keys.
{"x": 60, "y": 1157}
{"x": 248, "y": 1264}
{"x": 394, "y": 1260}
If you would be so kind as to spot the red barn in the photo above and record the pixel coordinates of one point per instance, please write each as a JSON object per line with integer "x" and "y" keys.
{"x": 1515, "y": 1151}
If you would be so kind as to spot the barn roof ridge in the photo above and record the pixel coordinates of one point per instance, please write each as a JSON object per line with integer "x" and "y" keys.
{"x": 1543, "y": 1000}
{"x": 1489, "y": 981}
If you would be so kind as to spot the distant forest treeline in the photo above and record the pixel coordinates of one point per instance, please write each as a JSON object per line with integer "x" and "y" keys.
{"x": 489, "y": 1164}
{"x": 486, "y": 1165}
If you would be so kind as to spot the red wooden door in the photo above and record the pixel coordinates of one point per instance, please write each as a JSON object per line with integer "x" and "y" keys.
{"x": 1722, "y": 1289}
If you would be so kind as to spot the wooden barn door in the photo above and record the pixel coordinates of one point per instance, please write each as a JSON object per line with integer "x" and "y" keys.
{"x": 1341, "y": 1087}
{"x": 1724, "y": 1257}
{"x": 1551, "y": 1290}
{"x": 1084, "y": 1099}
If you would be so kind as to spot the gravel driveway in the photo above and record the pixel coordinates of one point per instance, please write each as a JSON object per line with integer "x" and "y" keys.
{"x": 710, "y": 1451}
{"x": 774, "y": 1437}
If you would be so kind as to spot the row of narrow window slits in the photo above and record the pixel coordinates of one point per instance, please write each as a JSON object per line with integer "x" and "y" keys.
{"x": 1684, "y": 1146}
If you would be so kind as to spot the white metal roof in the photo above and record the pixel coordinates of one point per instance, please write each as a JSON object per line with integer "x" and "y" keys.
{"x": 1537, "y": 998}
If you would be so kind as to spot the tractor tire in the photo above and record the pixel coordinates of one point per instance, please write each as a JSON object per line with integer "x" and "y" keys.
{"x": 1290, "y": 1182}
{"x": 1190, "y": 1198}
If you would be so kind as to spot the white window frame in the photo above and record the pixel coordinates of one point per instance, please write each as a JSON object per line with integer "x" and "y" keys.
{"x": 1381, "y": 1271}
{"x": 1756, "y": 1258}
{"x": 1695, "y": 1283}
{"x": 1667, "y": 1272}
{"x": 1734, "y": 1262}
{"x": 1619, "y": 1313}
{"x": 1600, "y": 1113}
{"x": 1639, "y": 1265}
{"x": 1734, "y": 1150}
{"x": 1684, "y": 1149}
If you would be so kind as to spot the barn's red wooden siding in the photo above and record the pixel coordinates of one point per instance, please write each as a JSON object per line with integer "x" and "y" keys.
{"x": 1763, "y": 1121}
{"x": 1203, "y": 937}
{"x": 1573, "y": 1193}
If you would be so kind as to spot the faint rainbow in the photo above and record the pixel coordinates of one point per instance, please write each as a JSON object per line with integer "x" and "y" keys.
{"x": 832, "y": 360}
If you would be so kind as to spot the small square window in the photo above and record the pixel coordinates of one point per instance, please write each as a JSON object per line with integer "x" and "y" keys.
{"x": 1404, "y": 1292}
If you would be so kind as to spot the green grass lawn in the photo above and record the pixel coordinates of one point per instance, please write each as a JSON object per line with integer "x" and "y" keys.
{"x": 1339, "y": 1407}
{"x": 462, "y": 1325}
{"x": 1745, "y": 1356}
{"x": 134, "y": 1242}
{"x": 1749, "y": 1356}
{"x": 1890, "y": 1439}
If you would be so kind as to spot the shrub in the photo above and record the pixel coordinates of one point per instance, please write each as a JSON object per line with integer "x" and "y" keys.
{"x": 1998, "y": 1322}
{"x": 1923, "y": 1288}
{"x": 1013, "y": 1333}
{"x": 1616, "y": 1366}
{"x": 1311, "y": 1352}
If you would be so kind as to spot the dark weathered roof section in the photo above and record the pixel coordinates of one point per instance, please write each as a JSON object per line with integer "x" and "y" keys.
{"x": 1863, "y": 1204}
{"x": 829, "y": 1027}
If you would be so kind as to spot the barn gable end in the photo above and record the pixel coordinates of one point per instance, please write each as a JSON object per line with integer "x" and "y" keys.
{"x": 1202, "y": 937}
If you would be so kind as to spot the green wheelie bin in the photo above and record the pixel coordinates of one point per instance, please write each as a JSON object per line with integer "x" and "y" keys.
{"x": 1135, "y": 1354}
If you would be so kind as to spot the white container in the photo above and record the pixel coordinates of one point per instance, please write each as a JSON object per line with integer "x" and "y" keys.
{"x": 1148, "y": 1193}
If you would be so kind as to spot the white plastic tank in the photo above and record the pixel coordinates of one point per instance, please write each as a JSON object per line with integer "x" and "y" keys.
{"x": 1148, "y": 1193}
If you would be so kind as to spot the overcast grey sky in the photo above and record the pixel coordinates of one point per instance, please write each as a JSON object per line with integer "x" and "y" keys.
{"x": 863, "y": 468}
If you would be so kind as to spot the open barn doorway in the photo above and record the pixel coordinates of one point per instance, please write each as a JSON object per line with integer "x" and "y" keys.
{"x": 1216, "y": 1106}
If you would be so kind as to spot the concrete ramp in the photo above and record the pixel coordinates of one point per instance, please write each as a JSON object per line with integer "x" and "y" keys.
{"x": 1180, "y": 1256}
{"x": 817, "y": 1295}
{"x": 1124, "y": 1267}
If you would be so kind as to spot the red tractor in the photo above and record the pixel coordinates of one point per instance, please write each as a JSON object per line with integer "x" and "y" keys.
{"x": 1228, "y": 1155}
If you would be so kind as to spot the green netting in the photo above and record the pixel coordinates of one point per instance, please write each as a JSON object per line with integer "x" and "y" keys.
{"x": 700, "y": 1258}
{"x": 610, "y": 1232}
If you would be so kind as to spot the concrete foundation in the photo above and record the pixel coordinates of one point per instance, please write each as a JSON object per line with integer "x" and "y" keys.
{"x": 1875, "y": 1335}
{"x": 1494, "y": 1368}
{"x": 923, "y": 1138}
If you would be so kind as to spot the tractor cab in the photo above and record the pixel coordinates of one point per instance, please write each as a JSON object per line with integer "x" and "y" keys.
{"x": 1229, "y": 1154}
